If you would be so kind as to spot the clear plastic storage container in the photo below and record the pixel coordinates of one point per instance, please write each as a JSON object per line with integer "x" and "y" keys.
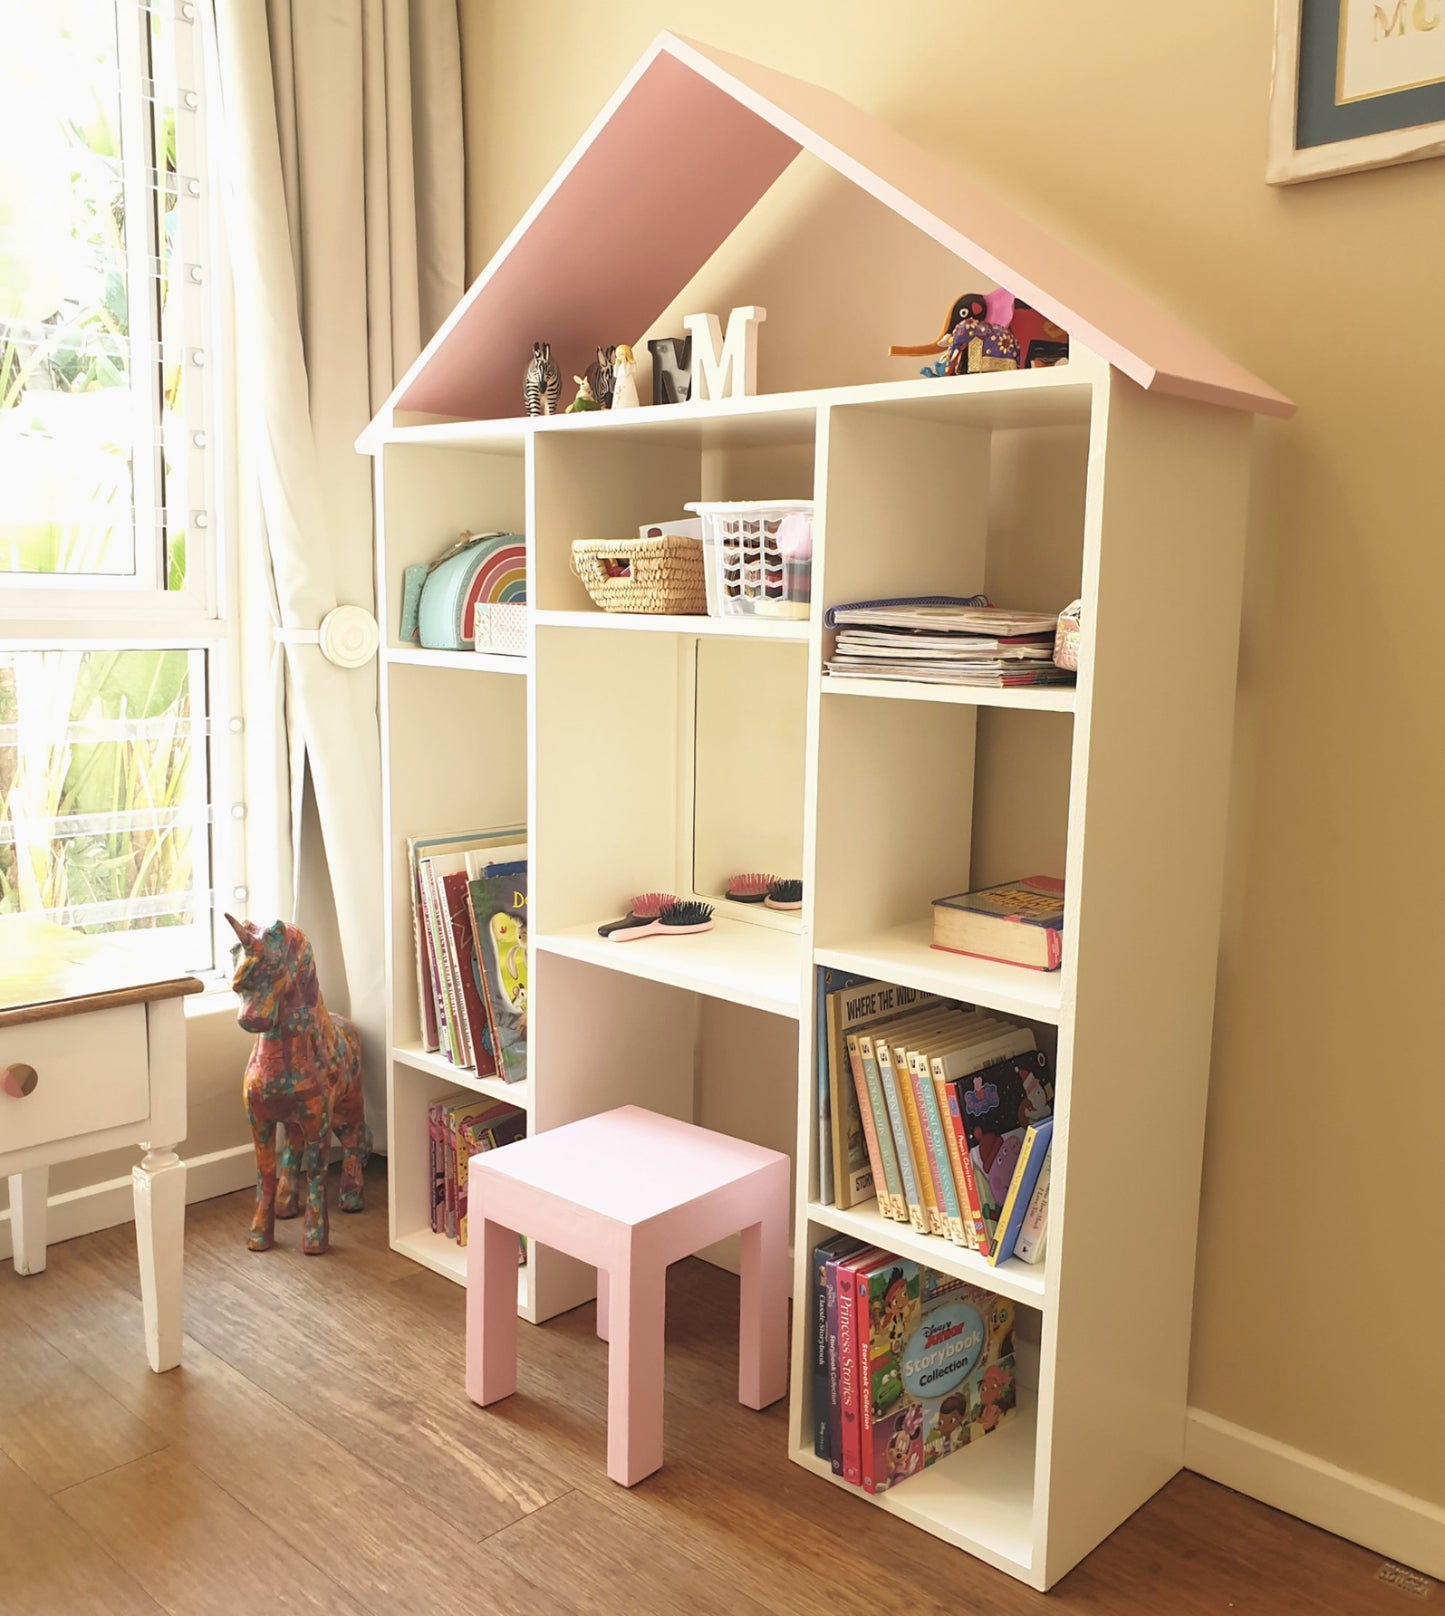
{"x": 757, "y": 556}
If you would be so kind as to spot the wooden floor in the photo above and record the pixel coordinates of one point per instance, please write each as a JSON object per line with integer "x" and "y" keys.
{"x": 315, "y": 1453}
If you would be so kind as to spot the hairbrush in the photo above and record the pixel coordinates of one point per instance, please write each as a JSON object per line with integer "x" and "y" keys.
{"x": 751, "y": 888}
{"x": 642, "y": 911}
{"x": 678, "y": 919}
{"x": 784, "y": 895}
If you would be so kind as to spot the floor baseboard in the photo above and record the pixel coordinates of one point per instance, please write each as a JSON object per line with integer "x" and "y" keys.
{"x": 107, "y": 1204}
{"x": 1402, "y": 1528}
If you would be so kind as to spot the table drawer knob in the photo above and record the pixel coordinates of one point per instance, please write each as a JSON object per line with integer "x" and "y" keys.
{"x": 19, "y": 1080}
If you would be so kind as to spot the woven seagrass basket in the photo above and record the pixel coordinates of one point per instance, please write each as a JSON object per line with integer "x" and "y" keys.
{"x": 662, "y": 575}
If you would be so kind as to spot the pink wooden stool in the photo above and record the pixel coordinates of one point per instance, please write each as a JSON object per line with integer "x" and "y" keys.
{"x": 630, "y": 1192}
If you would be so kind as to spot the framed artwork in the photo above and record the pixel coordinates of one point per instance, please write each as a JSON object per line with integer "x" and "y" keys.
{"x": 1357, "y": 84}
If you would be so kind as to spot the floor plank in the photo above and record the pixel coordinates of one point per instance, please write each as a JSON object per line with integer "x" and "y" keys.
{"x": 196, "y": 1551}
{"x": 319, "y": 1414}
{"x": 49, "y": 1566}
{"x": 56, "y": 1424}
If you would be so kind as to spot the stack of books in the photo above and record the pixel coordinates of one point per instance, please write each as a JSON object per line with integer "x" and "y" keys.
{"x": 459, "y": 1130}
{"x": 966, "y": 642}
{"x": 909, "y": 1365}
{"x": 469, "y": 917}
{"x": 941, "y": 1112}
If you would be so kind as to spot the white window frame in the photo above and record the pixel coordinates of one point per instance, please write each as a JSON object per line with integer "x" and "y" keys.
{"x": 135, "y": 611}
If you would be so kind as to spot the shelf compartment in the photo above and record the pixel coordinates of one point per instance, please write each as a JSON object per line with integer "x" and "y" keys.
{"x": 415, "y": 656}
{"x": 447, "y": 1258}
{"x": 1043, "y": 698}
{"x": 980, "y": 1500}
{"x": 736, "y": 961}
{"x": 427, "y": 495}
{"x": 1018, "y": 1281}
{"x": 756, "y": 628}
{"x": 437, "y": 1065}
{"x": 905, "y": 954}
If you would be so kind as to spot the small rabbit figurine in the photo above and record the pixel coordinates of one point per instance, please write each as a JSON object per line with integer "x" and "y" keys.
{"x": 542, "y": 383}
{"x": 584, "y": 399}
{"x": 624, "y": 379}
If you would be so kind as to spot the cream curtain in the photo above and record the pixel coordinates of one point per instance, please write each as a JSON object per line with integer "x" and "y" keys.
{"x": 339, "y": 136}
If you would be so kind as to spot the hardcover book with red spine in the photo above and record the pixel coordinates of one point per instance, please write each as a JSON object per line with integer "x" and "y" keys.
{"x": 459, "y": 925}
{"x": 849, "y": 1365}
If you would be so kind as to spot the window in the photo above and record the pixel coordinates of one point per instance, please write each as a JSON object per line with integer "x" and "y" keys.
{"x": 115, "y": 646}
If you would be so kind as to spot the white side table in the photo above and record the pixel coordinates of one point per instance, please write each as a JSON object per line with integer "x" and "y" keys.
{"x": 92, "y": 1058}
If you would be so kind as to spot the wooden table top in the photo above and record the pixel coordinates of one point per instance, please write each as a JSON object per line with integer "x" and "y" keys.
{"x": 48, "y": 971}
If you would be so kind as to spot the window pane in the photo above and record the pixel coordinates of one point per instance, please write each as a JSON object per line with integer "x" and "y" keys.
{"x": 78, "y": 360}
{"x": 176, "y": 447}
{"x": 103, "y": 791}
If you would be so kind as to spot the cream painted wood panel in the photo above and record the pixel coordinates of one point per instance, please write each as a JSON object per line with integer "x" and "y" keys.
{"x": 1163, "y": 573}
{"x": 92, "y": 1073}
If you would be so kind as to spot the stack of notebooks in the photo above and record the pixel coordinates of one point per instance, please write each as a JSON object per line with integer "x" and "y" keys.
{"x": 909, "y": 1365}
{"x": 461, "y": 1129}
{"x": 942, "y": 1112}
{"x": 949, "y": 642}
{"x": 469, "y": 915}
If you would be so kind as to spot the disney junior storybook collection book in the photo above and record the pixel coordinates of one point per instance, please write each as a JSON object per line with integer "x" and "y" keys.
{"x": 940, "y": 1367}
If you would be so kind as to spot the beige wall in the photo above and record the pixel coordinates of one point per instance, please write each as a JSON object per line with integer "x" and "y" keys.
{"x": 1138, "y": 133}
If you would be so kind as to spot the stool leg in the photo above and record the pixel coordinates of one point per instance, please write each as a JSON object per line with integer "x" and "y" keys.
{"x": 637, "y": 1301}
{"x": 491, "y": 1311}
{"x": 604, "y": 1332}
{"x": 763, "y": 1300}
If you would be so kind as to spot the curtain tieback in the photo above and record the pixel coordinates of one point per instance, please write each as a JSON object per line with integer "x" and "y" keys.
{"x": 348, "y": 636}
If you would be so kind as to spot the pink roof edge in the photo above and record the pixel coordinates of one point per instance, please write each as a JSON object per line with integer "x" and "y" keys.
{"x": 644, "y": 213}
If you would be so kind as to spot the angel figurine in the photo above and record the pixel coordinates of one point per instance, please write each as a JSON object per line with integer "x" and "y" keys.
{"x": 624, "y": 379}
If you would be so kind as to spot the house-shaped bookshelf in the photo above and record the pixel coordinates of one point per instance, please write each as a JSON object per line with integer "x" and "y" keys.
{"x": 667, "y": 752}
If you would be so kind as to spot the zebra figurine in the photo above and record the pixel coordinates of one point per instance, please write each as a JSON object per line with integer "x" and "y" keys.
{"x": 543, "y": 382}
{"x": 600, "y": 376}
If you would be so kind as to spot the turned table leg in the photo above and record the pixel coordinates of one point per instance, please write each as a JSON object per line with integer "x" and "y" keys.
{"x": 160, "y": 1231}
{"x": 28, "y": 1192}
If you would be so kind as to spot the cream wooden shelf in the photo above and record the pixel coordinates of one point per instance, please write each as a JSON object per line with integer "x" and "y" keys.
{"x": 444, "y": 1256}
{"x": 905, "y": 954}
{"x": 1041, "y": 699}
{"x": 1016, "y": 1280}
{"x": 980, "y": 1499}
{"x": 413, "y": 656}
{"x": 735, "y": 961}
{"x": 1003, "y": 399}
{"x": 736, "y": 628}
{"x": 428, "y": 1060}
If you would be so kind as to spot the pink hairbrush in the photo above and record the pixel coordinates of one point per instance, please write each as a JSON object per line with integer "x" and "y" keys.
{"x": 677, "y": 919}
{"x": 642, "y": 911}
{"x": 752, "y": 888}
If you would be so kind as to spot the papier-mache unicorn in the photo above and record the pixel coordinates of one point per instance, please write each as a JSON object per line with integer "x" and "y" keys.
{"x": 303, "y": 1078}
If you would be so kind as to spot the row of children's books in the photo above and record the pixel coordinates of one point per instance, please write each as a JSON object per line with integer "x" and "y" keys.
{"x": 461, "y": 1129}
{"x": 941, "y": 1111}
{"x": 909, "y": 1365}
{"x": 469, "y": 914}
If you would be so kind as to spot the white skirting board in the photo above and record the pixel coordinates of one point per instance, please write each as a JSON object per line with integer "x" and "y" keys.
{"x": 1408, "y": 1530}
{"x": 103, "y": 1206}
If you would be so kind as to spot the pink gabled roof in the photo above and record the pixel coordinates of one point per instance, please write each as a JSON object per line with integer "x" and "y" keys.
{"x": 678, "y": 157}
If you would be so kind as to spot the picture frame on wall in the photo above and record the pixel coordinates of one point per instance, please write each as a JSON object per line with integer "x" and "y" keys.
{"x": 1357, "y": 84}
